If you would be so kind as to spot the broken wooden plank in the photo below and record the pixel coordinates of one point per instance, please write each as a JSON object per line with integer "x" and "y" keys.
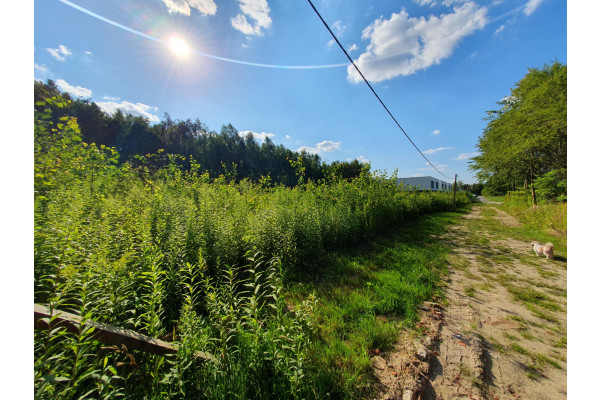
{"x": 105, "y": 333}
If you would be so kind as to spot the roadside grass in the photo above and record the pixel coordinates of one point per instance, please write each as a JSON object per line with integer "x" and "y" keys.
{"x": 493, "y": 263}
{"x": 366, "y": 295}
{"x": 527, "y": 232}
{"x": 535, "y": 368}
{"x": 487, "y": 286}
{"x": 532, "y": 297}
{"x": 497, "y": 346}
{"x": 546, "y": 216}
{"x": 561, "y": 343}
{"x": 470, "y": 291}
{"x": 542, "y": 297}
{"x": 526, "y": 334}
{"x": 459, "y": 263}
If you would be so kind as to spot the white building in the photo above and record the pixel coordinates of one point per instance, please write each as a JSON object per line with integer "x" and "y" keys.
{"x": 425, "y": 183}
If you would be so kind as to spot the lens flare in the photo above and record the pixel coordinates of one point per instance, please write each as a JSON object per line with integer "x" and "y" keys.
{"x": 212, "y": 56}
{"x": 179, "y": 47}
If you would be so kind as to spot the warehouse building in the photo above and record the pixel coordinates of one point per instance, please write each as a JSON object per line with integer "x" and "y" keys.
{"x": 425, "y": 183}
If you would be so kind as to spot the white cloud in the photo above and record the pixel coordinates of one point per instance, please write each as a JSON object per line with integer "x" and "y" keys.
{"x": 431, "y": 151}
{"x": 440, "y": 167}
{"x": 531, "y": 6}
{"x": 499, "y": 30}
{"x": 449, "y": 3}
{"x": 61, "y": 53}
{"x": 326, "y": 146}
{"x": 338, "y": 28}
{"x": 470, "y": 56}
{"x": 89, "y": 53}
{"x": 402, "y": 45}
{"x": 140, "y": 109}
{"x": 42, "y": 68}
{"x": 361, "y": 159}
{"x": 436, "y": 132}
{"x": 256, "y": 10}
{"x": 260, "y": 136}
{"x": 74, "y": 90}
{"x": 110, "y": 98}
{"x": 466, "y": 156}
{"x": 288, "y": 137}
{"x": 433, "y": 3}
{"x": 205, "y": 7}
{"x": 429, "y": 3}
{"x": 352, "y": 48}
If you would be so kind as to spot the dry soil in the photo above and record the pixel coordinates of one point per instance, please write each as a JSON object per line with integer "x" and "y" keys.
{"x": 499, "y": 333}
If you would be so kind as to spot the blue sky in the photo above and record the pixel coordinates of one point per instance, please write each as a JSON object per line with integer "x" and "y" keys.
{"x": 438, "y": 65}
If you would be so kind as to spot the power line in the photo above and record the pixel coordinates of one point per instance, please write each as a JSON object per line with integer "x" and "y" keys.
{"x": 373, "y": 90}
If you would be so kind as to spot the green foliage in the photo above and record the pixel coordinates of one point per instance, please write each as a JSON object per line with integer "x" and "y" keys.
{"x": 477, "y": 188}
{"x": 137, "y": 141}
{"x": 491, "y": 190}
{"x": 366, "y": 295}
{"x": 546, "y": 215}
{"x": 158, "y": 246}
{"x": 527, "y": 137}
{"x": 553, "y": 185}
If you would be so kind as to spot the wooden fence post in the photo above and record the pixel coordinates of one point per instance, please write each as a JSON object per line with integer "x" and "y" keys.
{"x": 113, "y": 335}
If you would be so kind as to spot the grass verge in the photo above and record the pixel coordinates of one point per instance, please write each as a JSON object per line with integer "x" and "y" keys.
{"x": 366, "y": 295}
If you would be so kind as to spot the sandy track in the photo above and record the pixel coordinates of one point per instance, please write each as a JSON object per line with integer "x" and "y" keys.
{"x": 500, "y": 333}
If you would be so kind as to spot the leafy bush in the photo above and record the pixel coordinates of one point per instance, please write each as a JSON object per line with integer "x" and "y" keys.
{"x": 546, "y": 215}
{"x": 553, "y": 185}
{"x": 167, "y": 250}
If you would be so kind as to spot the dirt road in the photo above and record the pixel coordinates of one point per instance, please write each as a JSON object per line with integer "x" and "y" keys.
{"x": 501, "y": 331}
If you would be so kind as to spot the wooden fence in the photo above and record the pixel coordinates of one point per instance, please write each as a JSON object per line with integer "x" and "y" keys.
{"x": 105, "y": 333}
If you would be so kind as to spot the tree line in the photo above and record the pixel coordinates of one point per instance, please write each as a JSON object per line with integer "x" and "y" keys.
{"x": 524, "y": 144}
{"x": 218, "y": 153}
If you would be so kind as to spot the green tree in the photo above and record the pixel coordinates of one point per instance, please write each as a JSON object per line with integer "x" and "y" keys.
{"x": 527, "y": 137}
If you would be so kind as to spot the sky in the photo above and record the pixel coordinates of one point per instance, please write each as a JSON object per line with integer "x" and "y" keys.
{"x": 438, "y": 66}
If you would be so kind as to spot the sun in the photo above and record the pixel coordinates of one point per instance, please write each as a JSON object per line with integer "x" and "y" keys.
{"x": 179, "y": 47}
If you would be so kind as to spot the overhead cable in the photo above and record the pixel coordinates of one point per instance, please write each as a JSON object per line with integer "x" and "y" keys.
{"x": 373, "y": 90}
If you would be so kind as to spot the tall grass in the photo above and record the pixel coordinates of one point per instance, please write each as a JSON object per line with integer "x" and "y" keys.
{"x": 546, "y": 215}
{"x": 174, "y": 253}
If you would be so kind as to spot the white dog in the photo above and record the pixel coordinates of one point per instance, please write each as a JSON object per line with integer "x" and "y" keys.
{"x": 543, "y": 249}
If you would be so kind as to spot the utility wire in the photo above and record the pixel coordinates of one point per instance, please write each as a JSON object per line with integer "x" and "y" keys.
{"x": 371, "y": 87}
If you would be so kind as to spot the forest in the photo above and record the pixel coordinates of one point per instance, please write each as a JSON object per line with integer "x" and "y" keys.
{"x": 218, "y": 152}
{"x": 195, "y": 237}
{"x": 216, "y": 244}
{"x": 524, "y": 145}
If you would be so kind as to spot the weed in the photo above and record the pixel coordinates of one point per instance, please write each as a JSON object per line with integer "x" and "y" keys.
{"x": 459, "y": 263}
{"x": 510, "y": 336}
{"x": 519, "y": 349}
{"x": 497, "y": 346}
{"x": 470, "y": 291}
{"x": 561, "y": 343}
{"x": 464, "y": 370}
{"x": 545, "y": 360}
{"x": 533, "y": 371}
{"x": 526, "y": 334}
{"x": 157, "y": 248}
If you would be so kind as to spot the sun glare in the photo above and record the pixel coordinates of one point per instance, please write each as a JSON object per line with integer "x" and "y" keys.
{"x": 179, "y": 47}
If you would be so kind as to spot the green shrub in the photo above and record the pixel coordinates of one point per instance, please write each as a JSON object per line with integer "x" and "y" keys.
{"x": 165, "y": 250}
{"x": 546, "y": 215}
